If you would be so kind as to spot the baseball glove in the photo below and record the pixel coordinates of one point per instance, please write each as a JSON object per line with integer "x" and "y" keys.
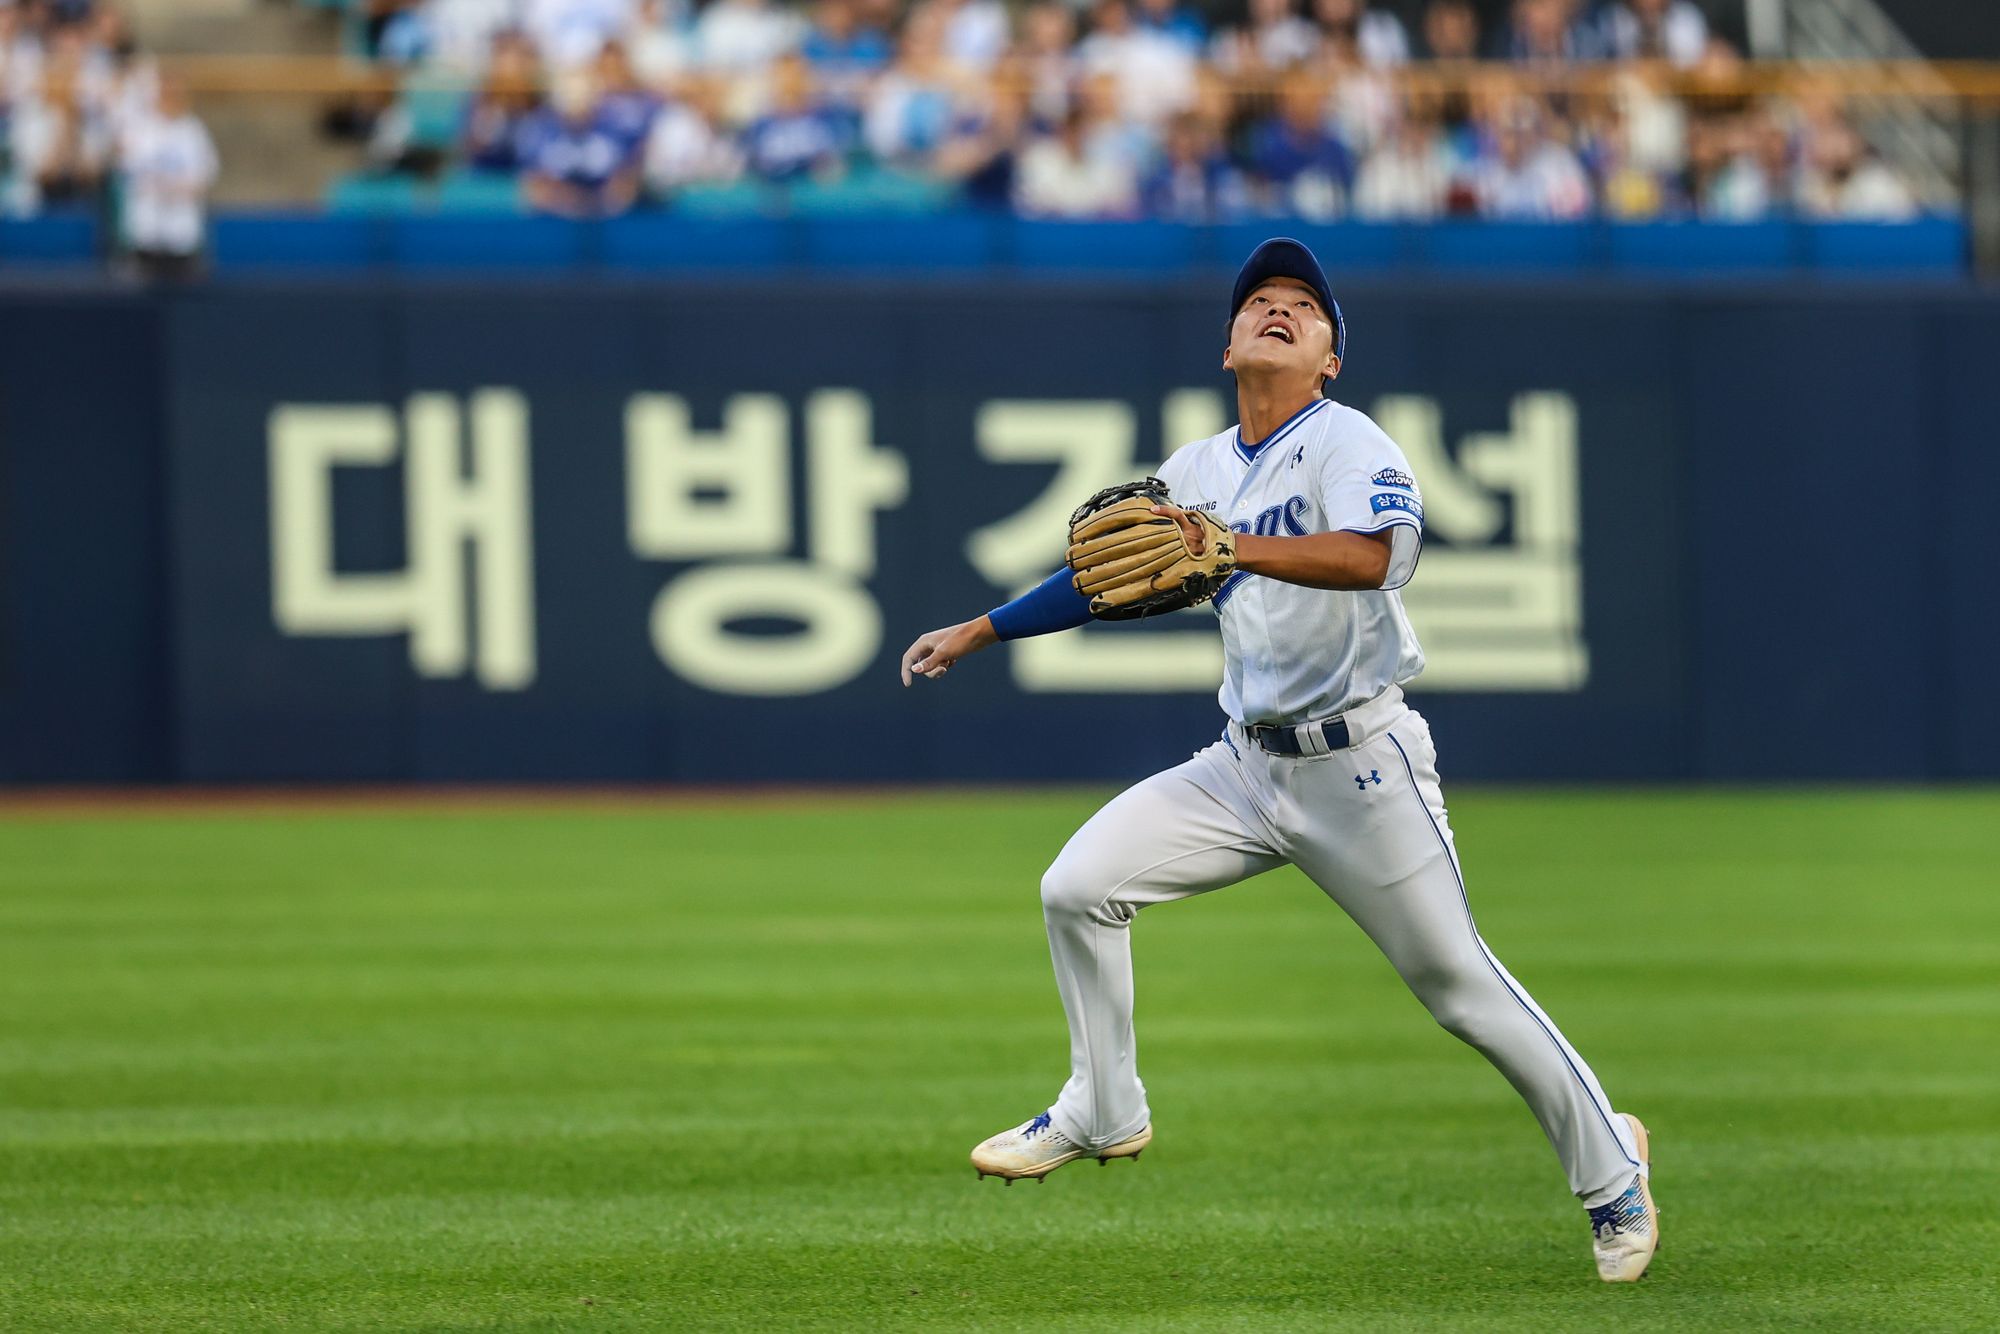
{"x": 1132, "y": 562}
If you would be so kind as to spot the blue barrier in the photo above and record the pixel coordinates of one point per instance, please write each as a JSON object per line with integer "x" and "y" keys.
{"x": 690, "y": 239}
{"x": 54, "y": 238}
{"x": 1704, "y": 247}
{"x": 1350, "y": 247}
{"x": 1541, "y": 248}
{"x": 960, "y": 242}
{"x": 1109, "y": 247}
{"x": 1928, "y": 246}
{"x": 647, "y": 241}
{"x": 447, "y": 242}
{"x": 969, "y": 243}
{"x": 280, "y": 240}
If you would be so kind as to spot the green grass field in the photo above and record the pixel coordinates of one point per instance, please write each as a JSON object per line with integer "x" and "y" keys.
{"x": 519, "y": 1067}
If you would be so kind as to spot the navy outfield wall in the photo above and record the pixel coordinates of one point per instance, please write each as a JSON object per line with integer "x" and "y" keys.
{"x": 564, "y": 531}
{"x": 84, "y": 688}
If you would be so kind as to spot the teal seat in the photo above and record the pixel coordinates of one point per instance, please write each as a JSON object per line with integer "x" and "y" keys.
{"x": 488, "y": 192}
{"x": 740, "y": 199}
{"x": 436, "y": 109}
{"x": 869, "y": 191}
{"x": 364, "y": 193}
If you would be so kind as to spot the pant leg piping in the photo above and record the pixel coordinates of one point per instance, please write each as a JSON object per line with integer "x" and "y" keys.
{"x": 1466, "y": 902}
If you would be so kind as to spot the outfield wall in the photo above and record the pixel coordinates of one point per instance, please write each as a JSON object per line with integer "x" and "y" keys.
{"x": 542, "y": 531}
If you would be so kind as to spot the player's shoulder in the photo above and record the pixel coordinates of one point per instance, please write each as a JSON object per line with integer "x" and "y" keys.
{"x": 1337, "y": 421}
{"x": 1197, "y": 452}
{"x": 1350, "y": 437}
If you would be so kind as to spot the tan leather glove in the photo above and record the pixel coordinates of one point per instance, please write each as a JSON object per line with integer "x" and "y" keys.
{"x": 1132, "y": 562}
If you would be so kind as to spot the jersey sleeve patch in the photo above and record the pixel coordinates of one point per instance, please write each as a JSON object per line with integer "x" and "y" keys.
{"x": 1395, "y": 477}
{"x": 1391, "y": 502}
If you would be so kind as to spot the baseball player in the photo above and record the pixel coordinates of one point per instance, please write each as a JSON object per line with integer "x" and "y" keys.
{"x": 1298, "y": 525}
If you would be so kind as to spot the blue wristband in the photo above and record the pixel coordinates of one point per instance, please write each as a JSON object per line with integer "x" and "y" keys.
{"x": 1052, "y": 605}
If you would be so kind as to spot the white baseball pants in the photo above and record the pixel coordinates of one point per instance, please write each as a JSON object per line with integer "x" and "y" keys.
{"x": 1366, "y": 824}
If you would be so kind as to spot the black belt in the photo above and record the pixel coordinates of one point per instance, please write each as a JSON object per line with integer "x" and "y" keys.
{"x": 1285, "y": 740}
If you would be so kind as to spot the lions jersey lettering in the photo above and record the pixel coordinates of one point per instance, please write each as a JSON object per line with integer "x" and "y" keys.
{"x": 1292, "y": 654}
{"x": 1279, "y": 520}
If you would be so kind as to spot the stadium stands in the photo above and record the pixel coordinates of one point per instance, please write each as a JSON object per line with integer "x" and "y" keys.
{"x": 1511, "y": 134}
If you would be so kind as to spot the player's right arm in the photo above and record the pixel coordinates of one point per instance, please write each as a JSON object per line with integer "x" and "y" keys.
{"x": 1052, "y": 605}
{"x": 936, "y": 650}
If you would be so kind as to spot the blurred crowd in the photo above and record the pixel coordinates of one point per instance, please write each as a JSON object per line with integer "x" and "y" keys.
{"x": 1318, "y": 109}
{"x": 1101, "y": 109}
{"x": 87, "y": 123}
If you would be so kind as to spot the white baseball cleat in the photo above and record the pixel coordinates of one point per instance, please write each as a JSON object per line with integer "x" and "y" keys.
{"x": 1626, "y": 1232}
{"x": 1036, "y": 1148}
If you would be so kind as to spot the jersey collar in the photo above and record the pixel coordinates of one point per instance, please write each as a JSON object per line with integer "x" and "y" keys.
{"x": 1249, "y": 453}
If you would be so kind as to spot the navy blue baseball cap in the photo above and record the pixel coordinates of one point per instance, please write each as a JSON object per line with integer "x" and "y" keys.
{"x": 1282, "y": 257}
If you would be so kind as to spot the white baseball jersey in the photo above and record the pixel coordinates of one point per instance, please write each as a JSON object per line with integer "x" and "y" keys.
{"x": 1292, "y": 654}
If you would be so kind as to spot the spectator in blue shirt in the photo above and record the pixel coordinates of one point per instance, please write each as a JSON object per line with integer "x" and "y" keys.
{"x": 980, "y": 149}
{"x": 1549, "y": 32}
{"x": 840, "y": 47}
{"x": 1194, "y": 181}
{"x": 1308, "y": 170}
{"x": 1170, "y": 18}
{"x": 624, "y": 105}
{"x": 798, "y": 137}
{"x": 577, "y": 165}
{"x": 504, "y": 104}
{"x": 1670, "y": 30}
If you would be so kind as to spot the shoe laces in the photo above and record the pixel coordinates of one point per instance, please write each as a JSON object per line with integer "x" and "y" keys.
{"x": 1627, "y": 1213}
{"x": 1037, "y": 1126}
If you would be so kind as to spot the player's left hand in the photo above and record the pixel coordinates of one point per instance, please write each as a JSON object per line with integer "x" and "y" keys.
{"x": 1192, "y": 529}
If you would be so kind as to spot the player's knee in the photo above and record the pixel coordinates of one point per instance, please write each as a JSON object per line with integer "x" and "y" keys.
{"x": 1459, "y": 1009}
{"x": 1078, "y": 884}
{"x": 1458, "y": 1018}
{"x": 1065, "y": 891}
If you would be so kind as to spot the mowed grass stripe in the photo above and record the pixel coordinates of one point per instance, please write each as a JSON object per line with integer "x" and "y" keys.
{"x": 712, "y": 1067}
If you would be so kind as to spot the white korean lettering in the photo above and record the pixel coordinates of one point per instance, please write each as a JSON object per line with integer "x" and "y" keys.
{"x": 729, "y": 495}
{"x": 1496, "y": 615}
{"x": 695, "y": 494}
{"x": 452, "y": 517}
{"x": 850, "y": 479}
{"x": 1092, "y": 443}
{"x": 840, "y": 628}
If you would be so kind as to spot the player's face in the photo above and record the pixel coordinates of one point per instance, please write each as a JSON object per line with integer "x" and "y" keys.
{"x": 1282, "y": 327}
